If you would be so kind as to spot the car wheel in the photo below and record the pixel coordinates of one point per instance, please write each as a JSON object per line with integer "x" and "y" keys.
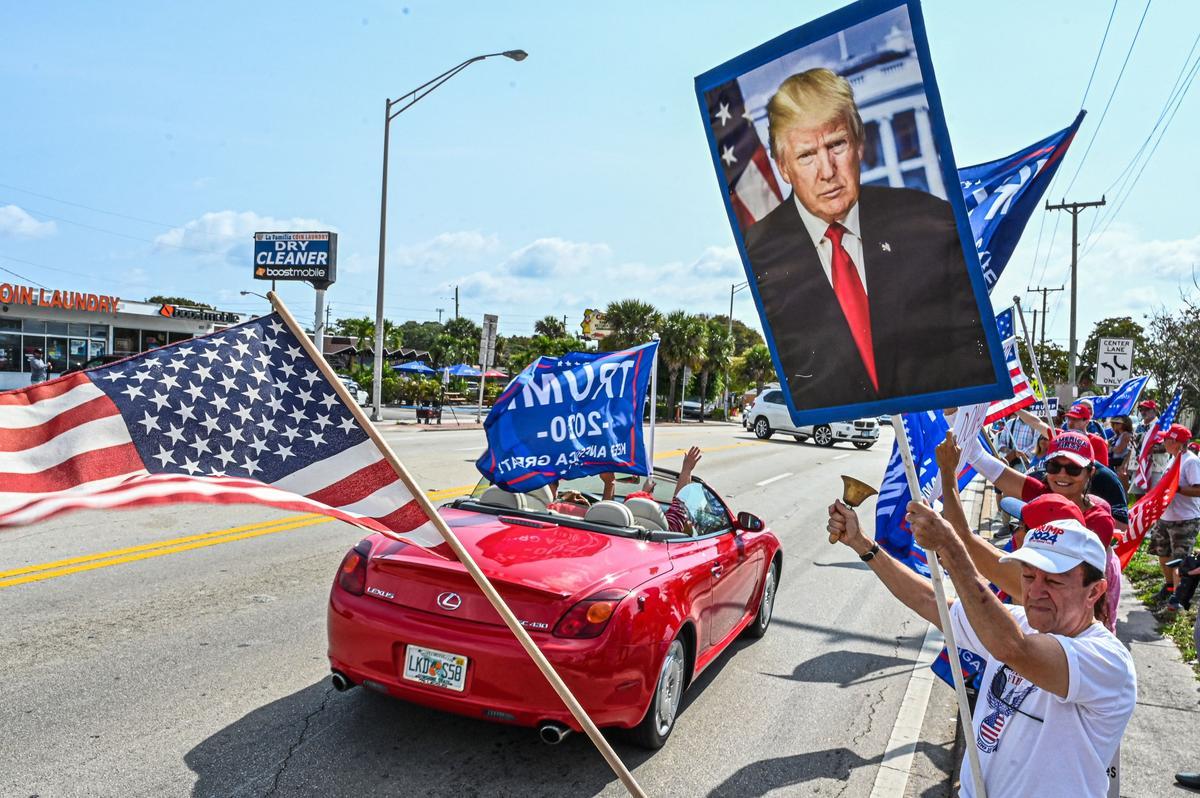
{"x": 762, "y": 429}
{"x": 656, "y": 727}
{"x": 766, "y": 604}
{"x": 864, "y": 445}
{"x": 823, "y": 435}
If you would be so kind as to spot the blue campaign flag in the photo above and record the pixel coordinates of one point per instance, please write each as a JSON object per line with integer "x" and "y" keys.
{"x": 1004, "y": 323}
{"x": 1121, "y": 401}
{"x": 569, "y": 417}
{"x": 1001, "y": 195}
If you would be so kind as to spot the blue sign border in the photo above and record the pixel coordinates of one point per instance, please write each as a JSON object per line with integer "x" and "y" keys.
{"x": 824, "y": 27}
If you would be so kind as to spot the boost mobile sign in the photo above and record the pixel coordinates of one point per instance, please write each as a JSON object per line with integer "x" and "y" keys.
{"x": 311, "y": 257}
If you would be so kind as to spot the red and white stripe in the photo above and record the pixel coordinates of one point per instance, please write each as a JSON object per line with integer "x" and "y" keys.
{"x": 1141, "y": 478}
{"x": 1146, "y": 511}
{"x": 756, "y": 192}
{"x": 64, "y": 446}
{"x": 1022, "y": 397}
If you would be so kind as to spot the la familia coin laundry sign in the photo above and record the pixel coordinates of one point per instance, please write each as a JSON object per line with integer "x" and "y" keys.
{"x": 70, "y": 300}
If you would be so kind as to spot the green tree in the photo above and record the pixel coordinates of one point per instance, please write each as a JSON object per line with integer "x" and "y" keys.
{"x": 1174, "y": 352}
{"x": 550, "y": 327}
{"x": 1115, "y": 327}
{"x": 679, "y": 334}
{"x": 178, "y": 300}
{"x": 524, "y": 350}
{"x": 1052, "y": 359}
{"x": 420, "y": 334}
{"x": 744, "y": 336}
{"x": 632, "y": 322}
{"x": 757, "y": 365}
{"x": 362, "y": 330}
{"x": 718, "y": 349}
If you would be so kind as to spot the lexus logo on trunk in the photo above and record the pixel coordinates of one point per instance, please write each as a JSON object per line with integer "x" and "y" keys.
{"x": 449, "y": 601}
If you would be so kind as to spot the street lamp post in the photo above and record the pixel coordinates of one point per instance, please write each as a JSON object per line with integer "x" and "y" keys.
{"x": 733, "y": 289}
{"x": 390, "y": 112}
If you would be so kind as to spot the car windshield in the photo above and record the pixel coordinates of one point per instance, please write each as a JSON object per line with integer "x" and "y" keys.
{"x": 705, "y": 513}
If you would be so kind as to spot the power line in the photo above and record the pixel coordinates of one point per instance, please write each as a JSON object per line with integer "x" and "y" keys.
{"x": 120, "y": 235}
{"x": 91, "y": 276}
{"x": 1111, "y": 94}
{"x": 1099, "y": 52}
{"x": 88, "y": 207}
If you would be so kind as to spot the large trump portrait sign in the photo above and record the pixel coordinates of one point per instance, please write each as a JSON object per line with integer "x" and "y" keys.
{"x": 837, "y": 175}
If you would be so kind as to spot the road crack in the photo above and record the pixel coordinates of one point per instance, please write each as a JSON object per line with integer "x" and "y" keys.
{"x": 299, "y": 741}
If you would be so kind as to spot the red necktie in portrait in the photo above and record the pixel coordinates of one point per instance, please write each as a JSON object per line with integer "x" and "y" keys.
{"x": 852, "y": 296}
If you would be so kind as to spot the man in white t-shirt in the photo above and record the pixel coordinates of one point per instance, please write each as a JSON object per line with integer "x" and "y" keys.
{"x": 1059, "y": 688}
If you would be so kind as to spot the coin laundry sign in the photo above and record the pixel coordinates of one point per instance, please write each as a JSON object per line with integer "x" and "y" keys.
{"x": 309, "y": 256}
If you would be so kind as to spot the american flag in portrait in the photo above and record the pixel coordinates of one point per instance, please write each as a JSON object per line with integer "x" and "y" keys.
{"x": 753, "y": 190}
{"x": 1023, "y": 395}
{"x": 241, "y": 415}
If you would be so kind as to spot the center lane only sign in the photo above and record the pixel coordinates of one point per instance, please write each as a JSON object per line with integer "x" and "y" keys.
{"x": 569, "y": 417}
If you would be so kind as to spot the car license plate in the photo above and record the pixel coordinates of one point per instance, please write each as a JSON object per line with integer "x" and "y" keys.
{"x": 436, "y": 668}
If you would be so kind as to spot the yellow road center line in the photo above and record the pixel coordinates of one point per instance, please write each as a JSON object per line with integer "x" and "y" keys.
{"x": 145, "y": 555}
{"x": 90, "y": 562}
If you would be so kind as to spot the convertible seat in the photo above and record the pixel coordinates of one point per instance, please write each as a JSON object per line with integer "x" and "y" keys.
{"x": 647, "y": 514}
{"x": 497, "y": 496}
{"x": 539, "y": 498}
{"x": 609, "y": 512}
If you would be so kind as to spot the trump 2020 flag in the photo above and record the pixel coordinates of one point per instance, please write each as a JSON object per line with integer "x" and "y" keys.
{"x": 1121, "y": 401}
{"x": 239, "y": 416}
{"x": 1001, "y": 195}
{"x": 569, "y": 417}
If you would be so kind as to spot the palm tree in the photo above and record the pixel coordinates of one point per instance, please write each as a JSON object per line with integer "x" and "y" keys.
{"x": 675, "y": 349}
{"x": 718, "y": 350}
{"x": 361, "y": 330}
{"x": 697, "y": 336}
{"x": 632, "y": 322}
{"x": 550, "y": 327}
{"x": 757, "y": 365}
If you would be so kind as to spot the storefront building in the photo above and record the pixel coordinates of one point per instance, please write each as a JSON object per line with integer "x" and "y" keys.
{"x": 71, "y": 328}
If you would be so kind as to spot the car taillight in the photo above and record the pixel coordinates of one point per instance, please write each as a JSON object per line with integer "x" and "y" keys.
{"x": 352, "y": 575}
{"x": 589, "y": 617}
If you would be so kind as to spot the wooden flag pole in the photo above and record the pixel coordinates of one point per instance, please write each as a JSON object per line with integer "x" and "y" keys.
{"x": 939, "y": 591}
{"x": 485, "y": 585}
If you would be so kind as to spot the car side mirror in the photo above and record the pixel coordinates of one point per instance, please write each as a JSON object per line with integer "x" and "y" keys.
{"x": 749, "y": 522}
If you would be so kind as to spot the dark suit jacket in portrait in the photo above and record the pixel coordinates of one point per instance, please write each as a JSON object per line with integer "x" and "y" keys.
{"x": 925, "y": 325}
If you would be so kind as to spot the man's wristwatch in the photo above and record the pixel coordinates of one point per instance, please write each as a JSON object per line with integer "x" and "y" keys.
{"x": 870, "y": 555}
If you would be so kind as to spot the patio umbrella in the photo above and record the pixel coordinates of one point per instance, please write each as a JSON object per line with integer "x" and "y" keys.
{"x": 494, "y": 374}
{"x": 414, "y": 367}
{"x": 463, "y": 370}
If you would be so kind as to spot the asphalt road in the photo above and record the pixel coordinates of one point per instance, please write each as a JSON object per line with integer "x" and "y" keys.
{"x": 197, "y": 667}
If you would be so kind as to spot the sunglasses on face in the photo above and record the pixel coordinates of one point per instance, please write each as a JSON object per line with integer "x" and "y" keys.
{"x": 1055, "y": 466}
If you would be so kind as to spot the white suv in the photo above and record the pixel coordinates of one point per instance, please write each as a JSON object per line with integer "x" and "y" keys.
{"x": 769, "y": 415}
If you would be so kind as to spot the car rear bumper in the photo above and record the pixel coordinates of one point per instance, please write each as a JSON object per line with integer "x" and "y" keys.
{"x": 368, "y": 639}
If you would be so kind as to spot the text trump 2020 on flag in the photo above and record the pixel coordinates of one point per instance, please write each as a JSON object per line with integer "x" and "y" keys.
{"x": 569, "y": 417}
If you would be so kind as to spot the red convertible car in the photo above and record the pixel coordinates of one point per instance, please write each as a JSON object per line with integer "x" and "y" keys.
{"x": 628, "y": 611}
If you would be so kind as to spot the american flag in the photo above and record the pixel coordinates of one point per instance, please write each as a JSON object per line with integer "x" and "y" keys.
{"x": 240, "y": 416}
{"x": 1147, "y": 510}
{"x": 1004, "y": 324}
{"x": 1023, "y": 395}
{"x": 1141, "y": 480}
{"x": 753, "y": 190}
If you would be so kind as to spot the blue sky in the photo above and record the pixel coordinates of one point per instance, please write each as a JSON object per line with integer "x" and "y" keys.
{"x": 577, "y": 177}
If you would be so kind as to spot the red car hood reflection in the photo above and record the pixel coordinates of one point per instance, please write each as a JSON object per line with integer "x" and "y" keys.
{"x": 556, "y": 559}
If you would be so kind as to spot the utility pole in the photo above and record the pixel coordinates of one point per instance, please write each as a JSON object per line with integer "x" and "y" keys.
{"x": 1043, "y": 292}
{"x": 1074, "y": 208}
{"x": 440, "y": 311}
{"x": 456, "y": 301}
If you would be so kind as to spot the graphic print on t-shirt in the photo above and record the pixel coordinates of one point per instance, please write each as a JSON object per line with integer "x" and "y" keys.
{"x": 1008, "y": 691}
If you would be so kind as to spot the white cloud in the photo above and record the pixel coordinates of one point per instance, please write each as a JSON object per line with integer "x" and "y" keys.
{"x": 446, "y": 249}
{"x": 230, "y": 234}
{"x": 552, "y": 257}
{"x": 15, "y": 222}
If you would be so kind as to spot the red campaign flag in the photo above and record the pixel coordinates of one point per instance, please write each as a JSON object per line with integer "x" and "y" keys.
{"x": 1147, "y": 510}
{"x": 243, "y": 415}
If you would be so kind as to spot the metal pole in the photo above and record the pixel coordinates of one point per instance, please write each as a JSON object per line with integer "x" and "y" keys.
{"x": 319, "y": 324}
{"x": 653, "y": 406}
{"x": 1073, "y": 208}
{"x": 377, "y": 379}
{"x": 939, "y": 590}
{"x": 479, "y": 412}
{"x": 727, "y": 393}
{"x": 1037, "y": 372}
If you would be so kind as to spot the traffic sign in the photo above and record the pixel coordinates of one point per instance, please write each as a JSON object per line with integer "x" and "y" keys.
{"x": 1114, "y": 361}
{"x": 487, "y": 341}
